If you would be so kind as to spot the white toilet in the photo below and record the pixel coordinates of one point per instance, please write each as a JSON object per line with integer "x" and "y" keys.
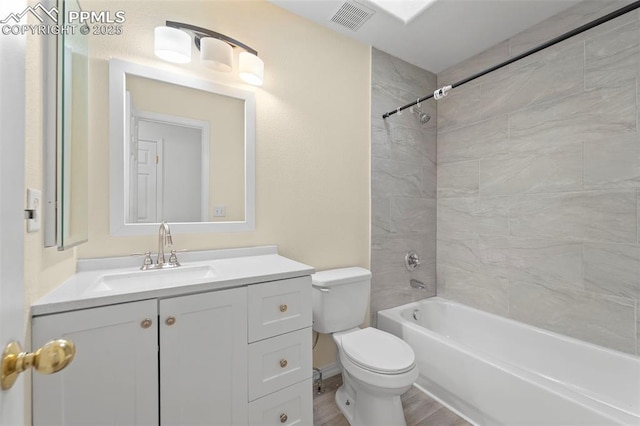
{"x": 377, "y": 367}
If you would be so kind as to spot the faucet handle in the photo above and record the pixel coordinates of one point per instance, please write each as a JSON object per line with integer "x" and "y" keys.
{"x": 147, "y": 262}
{"x": 411, "y": 260}
{"x": 173, "y": 259}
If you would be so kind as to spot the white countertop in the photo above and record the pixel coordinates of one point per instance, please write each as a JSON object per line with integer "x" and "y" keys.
{"x": 228, "y": 268}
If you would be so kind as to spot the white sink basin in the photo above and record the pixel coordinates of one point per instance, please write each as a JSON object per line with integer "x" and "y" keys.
{"x": 152, "y": 279}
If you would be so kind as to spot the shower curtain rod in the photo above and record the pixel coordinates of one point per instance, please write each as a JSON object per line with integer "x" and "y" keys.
{"x": 442, "y": 92}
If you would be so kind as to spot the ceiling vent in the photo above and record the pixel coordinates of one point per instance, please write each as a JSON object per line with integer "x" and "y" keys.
{"x": 352, "y": 15}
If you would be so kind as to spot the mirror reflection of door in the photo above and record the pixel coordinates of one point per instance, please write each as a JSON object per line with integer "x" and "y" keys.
{"x": 169, "y": 168}
{"x": 147, "y": 204}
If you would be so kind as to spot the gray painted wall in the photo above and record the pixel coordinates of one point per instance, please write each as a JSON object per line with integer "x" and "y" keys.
{"x": 403, "y": 183}
{"x": 538, "y": 181}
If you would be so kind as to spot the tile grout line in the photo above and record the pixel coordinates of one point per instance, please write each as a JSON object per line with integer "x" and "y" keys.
{"x": 584, "y": 89}
{"x": 511, "y": 197}
{"x": 637, "y": 306}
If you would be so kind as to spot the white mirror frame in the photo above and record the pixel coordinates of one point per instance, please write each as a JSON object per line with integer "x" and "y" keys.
{"x": 118, "y": 70}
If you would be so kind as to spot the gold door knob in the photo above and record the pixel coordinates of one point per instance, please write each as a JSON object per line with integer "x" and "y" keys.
{"x": 283, "y": 363}
{"x": 283, "y": 308}
{"x": 146, "y": 323}
{"x": 170, "y": 320}
{"x": 283, "y": 418}
{"x": 50, "y": 358}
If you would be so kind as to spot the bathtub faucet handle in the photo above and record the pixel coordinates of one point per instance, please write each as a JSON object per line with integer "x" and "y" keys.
{"x": 411, "y": 260}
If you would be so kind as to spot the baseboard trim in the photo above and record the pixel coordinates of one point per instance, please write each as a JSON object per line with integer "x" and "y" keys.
{"x": 329, "y": 370}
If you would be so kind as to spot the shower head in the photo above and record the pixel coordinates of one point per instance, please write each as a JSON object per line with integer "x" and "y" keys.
{"x": 422, "y": 116}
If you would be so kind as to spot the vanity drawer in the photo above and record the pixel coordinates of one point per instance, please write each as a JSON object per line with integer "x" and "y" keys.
{"x": 279, "y": 362}
{"x": 279, "y": 307}
{"x": 290, "y": 406}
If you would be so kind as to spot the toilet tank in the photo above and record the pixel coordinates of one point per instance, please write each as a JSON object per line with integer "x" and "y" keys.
{"x": 340, "y": 298}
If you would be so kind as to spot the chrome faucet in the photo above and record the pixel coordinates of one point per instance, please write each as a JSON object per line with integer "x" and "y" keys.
{"x": 164, "y": 241}
{"x": 164, "y": 238}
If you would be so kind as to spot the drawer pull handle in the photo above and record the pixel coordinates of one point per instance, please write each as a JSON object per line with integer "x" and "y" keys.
{"x": 170, "y": 321}
{"x": 283, "y": 308}
{"x": 283, "y": 363}
{"x": 283, "y": 418}
{"x": 146, "y": 323}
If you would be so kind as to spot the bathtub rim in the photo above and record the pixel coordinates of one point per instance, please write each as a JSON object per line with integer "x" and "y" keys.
{"x": 541, "y": 330}
{"x": 562, "y": 390}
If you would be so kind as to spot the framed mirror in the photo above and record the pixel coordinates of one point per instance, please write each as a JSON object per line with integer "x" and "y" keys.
{"x": 66, "y": 133}
{"x": 182, "y": 150}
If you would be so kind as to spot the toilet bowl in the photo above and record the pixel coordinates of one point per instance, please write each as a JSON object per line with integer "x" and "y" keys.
{"x": 377, "y": 367}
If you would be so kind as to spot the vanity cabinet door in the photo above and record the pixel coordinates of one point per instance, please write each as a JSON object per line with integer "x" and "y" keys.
{"x": 113, "y": 378}
{"x": 203, "y": 359}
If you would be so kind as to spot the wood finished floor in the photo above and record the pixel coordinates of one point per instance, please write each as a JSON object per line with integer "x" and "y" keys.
{"x": 419, "y": 409}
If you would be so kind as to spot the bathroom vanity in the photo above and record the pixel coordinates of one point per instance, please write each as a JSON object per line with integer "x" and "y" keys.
{"x": 224, "y": 339}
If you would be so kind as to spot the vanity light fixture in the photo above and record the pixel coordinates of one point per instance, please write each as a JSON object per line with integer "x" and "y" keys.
{"x": 173, "y": 44}
{"x": 251, "y": 68}
{"x": 216, "y": 54}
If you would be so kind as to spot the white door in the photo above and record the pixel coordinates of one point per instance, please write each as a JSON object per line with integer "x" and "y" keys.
{"x": 203, "y": 359}
{"x": 12, "y": 122}
{"x": 149, "y": 182}
{"x": 183, "y": 173}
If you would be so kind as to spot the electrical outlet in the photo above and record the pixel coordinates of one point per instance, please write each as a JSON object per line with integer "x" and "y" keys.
{"x": 34, "y": 202}
{"x": 219, "y": 211}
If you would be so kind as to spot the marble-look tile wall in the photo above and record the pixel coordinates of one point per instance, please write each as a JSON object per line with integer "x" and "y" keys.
{"x": 538, "y": 180}
{"x": 403, "y": 183}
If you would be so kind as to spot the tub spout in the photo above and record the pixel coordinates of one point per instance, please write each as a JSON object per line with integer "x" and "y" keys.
{"x": 417, "y": 284}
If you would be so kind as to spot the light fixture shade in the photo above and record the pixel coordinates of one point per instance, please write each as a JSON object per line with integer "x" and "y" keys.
{"x": 251, "y": 68}
{"x": 216, "y": 54}
{"x": 172, "y": 44}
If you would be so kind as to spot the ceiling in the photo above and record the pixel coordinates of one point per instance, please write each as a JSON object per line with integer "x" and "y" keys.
{"x": 443, "y": 34}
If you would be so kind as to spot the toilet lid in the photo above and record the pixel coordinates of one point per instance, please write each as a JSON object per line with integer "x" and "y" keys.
{"x": 378, "y": 351}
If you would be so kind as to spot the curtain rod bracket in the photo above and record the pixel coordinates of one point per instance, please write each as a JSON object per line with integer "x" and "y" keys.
{"x": 441, "y": 93}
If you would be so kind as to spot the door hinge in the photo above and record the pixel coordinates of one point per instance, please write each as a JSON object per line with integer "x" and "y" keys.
{"x": 157, "y": 159}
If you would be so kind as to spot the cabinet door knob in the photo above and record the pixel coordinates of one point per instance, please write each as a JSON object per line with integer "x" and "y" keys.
{"x": 283, "y": 363}
{"x": 170, "y": 320}
{"x": 146, "y": 323}
{"x": 283, "y": 418}
{"x": 283, "y": 308}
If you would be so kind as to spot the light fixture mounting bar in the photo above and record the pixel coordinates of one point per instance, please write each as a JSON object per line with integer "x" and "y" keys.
{"x": 203, "y": 32}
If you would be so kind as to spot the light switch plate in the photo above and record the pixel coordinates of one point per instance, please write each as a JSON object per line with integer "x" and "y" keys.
{"x": 219, "y": 211}
{"x": 34, "y": 202}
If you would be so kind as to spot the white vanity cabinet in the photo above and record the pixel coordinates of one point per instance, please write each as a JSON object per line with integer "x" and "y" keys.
{"x": 113, "y": 377}
{"x": 184, "y": 360}
{"x": 203, "y": 359}
{"x": 280, "y": 358}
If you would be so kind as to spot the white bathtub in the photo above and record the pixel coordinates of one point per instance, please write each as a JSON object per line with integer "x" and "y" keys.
{"x": 495, "y": 371}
